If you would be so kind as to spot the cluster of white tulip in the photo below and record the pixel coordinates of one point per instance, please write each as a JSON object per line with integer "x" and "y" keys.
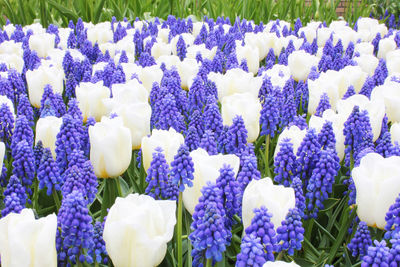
{"x": 138, "y": 227}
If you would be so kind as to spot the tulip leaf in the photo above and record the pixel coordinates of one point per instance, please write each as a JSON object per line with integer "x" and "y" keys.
{"x": 124, "y": 186}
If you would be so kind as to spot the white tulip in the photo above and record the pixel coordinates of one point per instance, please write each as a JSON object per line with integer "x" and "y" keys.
{"x": 8, "y": 102}
{"x": 246, "y": 105}
{"x": 9, "y": 29}
{"x": 90, "y": 98}
{"x": 327, "y": 82}
{"x": 276, "y": 198}
{"x": 377, "y": 182}
{"x": 36, "y": 28}
{"x": 130, "y": 92}
{"x": 187, "y": 38}
{"x": 193, "y": 50}
{"x": 169, "y": 141}
{"x": 390, "y": 91}
{"x": 42, "y": 43}
{"x": 11, "y": 47}
{"x": 251, "y": 54}
{"x": 100, "y": 33}
{"x": 364, "y": 48}
{"x": 161, "y": 49}
{"x": 2, "y": 152}
{"x": 110, "y": 147}
{"x": 278, "y": 74}
{"x": 295, "y": 135}
{"x": 337, "y": 124}
{"x": 63, "y": 33}
{"x": 300, "y": 64}
{"x": 12, "y": 61}
{"x": 393, "y": 61}
{"x": 136, "y": 117}
{"x": 395, "y": 132}
{"x": 47, "y": 129}
{"x": 351, "y": 75}
{"x": 37, "y": 79}
{"x": 137, "y": 230}
{"x": 235, "y": 81}
{"x": 386, "y": 45}
{"x": 375, "y": 108}
{"x": 206, "y": 168}
{"x": 367, "y": 63}
{"x": 26, "y": 241}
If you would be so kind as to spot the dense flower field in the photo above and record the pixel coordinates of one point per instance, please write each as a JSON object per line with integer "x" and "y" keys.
{"x": 212, "y": 143}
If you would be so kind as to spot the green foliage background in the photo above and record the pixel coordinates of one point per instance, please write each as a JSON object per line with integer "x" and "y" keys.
{"x": 59, "y": 12}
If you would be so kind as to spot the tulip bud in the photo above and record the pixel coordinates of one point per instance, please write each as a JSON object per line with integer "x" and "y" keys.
{"x": 206, "y": 168}
{"x": 90, "y": 99}
{"x": 169, "y": 141}
{"x": 137, "y": 230}
{"x": 110, "y": 147}
{"x": 42, "y": 43}
{"x": 47, "y": 129}
{"x": 246, "y": 105}
{"x": 377, "y": 182}
{"x": 276, "y": 198}
{"x": 300, "y": 64}
{"x": 28, "y": 242}
{"x": 38, "y": 78}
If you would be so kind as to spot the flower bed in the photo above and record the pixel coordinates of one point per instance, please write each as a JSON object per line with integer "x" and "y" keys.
{"x": 181, "y": 143}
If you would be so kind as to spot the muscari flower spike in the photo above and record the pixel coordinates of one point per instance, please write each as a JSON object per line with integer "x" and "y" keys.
{"x": 48, "y": 173}
{"x": 14, "y": 196}
{"x": 24, "y": 108}
{"x": 182, "y": 168}
{"x": 169, "y": 114}
{"x": 6, "y": 124}
{"x": 384, "y": 145}
{"x": 378, "y": 255}
{"x": 248, "y": 171}
{"x": 290, "y": 234}
{"x": 22, "y": 131}
{"x": 212, "y": 117}
{"x": 196, "y": 95}
{"x": 322, "y": 180}
{"x": 181, "y": 48}
{"x": 323, "y": 105}
{"x": 230, "y": 193}
{"x": 392, "y": 219}
{"x": 350, "y": 91}
{"x": 269, "y": 118}
{"x": 209, "y": 235}
{"x": 381, "y": 72}
{"x": 251, "y": 252}
{"x": 68, "y": 139}
{"x": 209, "y": 143}
{"x": 237, "y": 136}
{"x": 307, "y": 155}
{"x": 157, "y": 176}
{"x": 76, "y": 227}
{"x": 24, "y": 163}
{"x": 361, "y": 241}
{"x": 192, "y": 140}
{"x": 326, "y": 138}
{"x": 99, "y": 251}
{"x": 285, "y": 163}
{"x": 262, "y": 227}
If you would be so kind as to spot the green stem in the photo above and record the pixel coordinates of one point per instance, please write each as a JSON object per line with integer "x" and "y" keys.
{"x": 279, "y": 257}
{"x": 119, "y": 191}
{"x": 209, "y": 263}
{"x": 56, "y": 199}
{"x": 267, "y": 170}
{"x": 36, "y": 195}
{"x": 179, "y": 231}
